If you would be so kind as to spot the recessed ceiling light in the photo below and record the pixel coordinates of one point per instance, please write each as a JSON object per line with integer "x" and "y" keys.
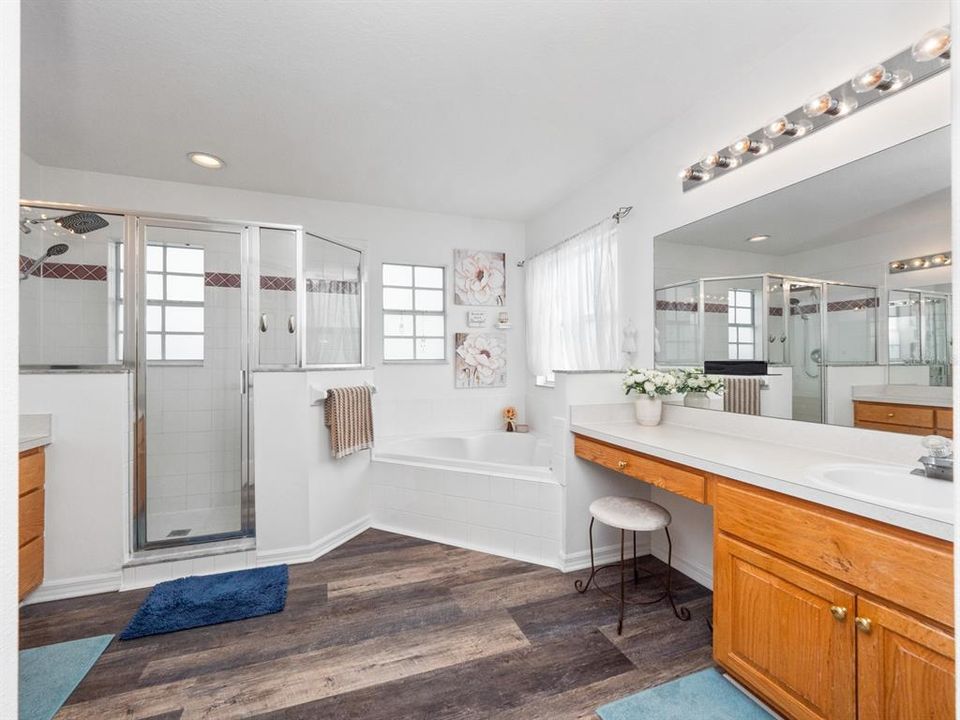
{"x": 206, "y": 160}
{"x": 758, "y": 238}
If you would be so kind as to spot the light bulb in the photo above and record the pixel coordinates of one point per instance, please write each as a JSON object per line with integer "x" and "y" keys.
{"x": 826, "y": 104}
{"x": 934, "y": 44}
{"x": 938, "y": 259}
{"x": 692, "y": 173}
{"x": 782, "y": 126}
{"x": 714, "y": 160}
{"x": 877, "y": 77}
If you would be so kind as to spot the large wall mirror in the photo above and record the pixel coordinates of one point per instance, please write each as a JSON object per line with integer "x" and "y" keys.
{"x": 840, "y": 284}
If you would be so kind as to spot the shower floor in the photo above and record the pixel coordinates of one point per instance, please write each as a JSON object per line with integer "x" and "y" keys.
{"x": 205, "y": 521}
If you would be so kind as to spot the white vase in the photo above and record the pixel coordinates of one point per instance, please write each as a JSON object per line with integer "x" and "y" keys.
{"x": 696, "y": 399}
{"x": 648, "y": 410}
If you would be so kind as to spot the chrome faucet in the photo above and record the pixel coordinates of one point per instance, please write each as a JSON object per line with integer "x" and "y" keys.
{"x": 938, "y": 460}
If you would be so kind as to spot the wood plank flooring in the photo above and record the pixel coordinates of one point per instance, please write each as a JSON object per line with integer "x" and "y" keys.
{"x": 388, "y": 627}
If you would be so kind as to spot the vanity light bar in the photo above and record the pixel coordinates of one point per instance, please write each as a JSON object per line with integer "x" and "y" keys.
{"x": 920, "y": 263}
{"x": 929, "y": 56}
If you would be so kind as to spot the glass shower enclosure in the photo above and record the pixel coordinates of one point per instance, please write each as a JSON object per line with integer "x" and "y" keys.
{"x": 800, "y": 325}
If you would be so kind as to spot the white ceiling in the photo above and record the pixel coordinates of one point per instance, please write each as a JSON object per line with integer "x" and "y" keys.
{"x": 493, "y": 108}
{"x": 905, "y": 189}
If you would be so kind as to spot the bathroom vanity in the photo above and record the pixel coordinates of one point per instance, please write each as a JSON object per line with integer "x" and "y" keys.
{"x": 831, "y": 609}
{"x": 34, "y": 437}
{"x": 917, "y": 410}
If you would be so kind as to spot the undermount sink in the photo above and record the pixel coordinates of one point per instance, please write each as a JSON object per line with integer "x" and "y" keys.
{"x": 889, "y": 485}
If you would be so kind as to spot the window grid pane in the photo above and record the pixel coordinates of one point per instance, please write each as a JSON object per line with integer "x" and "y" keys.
{"x": 414, "y": 312}
{"x": 176, "y": 290}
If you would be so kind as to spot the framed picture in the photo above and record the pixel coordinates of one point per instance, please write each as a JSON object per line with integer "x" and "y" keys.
{"x": 480, "y": 360}
{"x": 476, "y": 318}
{"x": 480, "y": 277}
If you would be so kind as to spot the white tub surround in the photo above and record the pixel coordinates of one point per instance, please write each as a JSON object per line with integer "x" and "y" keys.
{"x": 489, "y": 491}
{"x": 778, "y": 455}
{"x": 35, "y": 431}
{"x": 925, "y": 395}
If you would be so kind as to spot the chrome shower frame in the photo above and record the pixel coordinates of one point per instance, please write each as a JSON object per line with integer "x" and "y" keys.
{"x": 767, "y": 279}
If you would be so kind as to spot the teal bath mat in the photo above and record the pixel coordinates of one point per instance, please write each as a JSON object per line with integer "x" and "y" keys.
{"x": 50, "y": 673}
{"x": 704, "y": 695}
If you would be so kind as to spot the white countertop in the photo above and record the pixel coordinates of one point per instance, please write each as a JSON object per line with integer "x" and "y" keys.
{"x": 771, "y": 465}
{"x": 34, "y": 431}
{"x": 905, "y": 395}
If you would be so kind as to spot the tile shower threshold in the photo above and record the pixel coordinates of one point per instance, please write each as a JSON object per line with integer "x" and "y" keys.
{"x": 151, "y": 557}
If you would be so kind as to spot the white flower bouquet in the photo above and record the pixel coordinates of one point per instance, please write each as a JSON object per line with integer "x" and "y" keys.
{"x": 695, "y": 380}
{"x": 650, "y": 382}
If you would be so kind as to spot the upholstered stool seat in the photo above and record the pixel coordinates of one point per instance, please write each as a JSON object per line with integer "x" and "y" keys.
{"x": 630, "y": 514}
{"x": 627, "y": 513}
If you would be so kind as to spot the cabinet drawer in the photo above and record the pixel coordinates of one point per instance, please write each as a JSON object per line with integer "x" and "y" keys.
{"x": 674, "y": 478}
{"x": 31, "y": 566}
{"x": 911, "y": 415}
{"x": 909, "y": 569}
{"x": 31, "y": 470}
{"x": 31, "y": 516}
{"x": 944, "y": 419}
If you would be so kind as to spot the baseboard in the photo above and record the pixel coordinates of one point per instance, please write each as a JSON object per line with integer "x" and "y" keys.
{"x": 318, "y": 548}
{"x": 601, "y": 556}
{"x": 694, "y": 571}
{"x": 466, "y": 545}
{"x": 74, "y": 587}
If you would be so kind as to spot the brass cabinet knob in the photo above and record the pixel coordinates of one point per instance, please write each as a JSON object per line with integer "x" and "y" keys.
{"x": 890, "y": 414}
{"x": 838, "y": 612}
{"x": 863, "y": 624}
{"x": 622, "y": 464}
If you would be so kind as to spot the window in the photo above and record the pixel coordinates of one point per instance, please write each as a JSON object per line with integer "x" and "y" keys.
{"x": 414, "y": 319}
{"x": 547, "y": 380}
{"x": 175, "y": 293}
{"x": 740, "y": 324}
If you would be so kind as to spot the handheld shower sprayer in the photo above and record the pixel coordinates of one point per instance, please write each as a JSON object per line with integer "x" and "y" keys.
{"x": 52, "y": 251}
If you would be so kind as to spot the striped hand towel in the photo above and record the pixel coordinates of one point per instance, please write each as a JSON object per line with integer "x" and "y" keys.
{"x": 348, "y": 412}
{"x": 741, "y": 395}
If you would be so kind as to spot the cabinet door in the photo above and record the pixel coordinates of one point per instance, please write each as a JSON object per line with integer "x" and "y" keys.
{"x": 784, "y": 631}
{"x": 905, "y": 667}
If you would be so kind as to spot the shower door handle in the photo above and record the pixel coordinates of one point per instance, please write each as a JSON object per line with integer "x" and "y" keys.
{"x": 243, "y": 382}
{"x": 291, "y": 324}
{"x": 263, "y": 323}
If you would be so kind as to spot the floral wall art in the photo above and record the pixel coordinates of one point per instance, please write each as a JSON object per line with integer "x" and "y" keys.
{"x": 481, "y": 360}
{"x": 479, "y": 277}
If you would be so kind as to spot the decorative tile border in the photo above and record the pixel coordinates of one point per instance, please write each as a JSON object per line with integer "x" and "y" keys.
{"x": 65, "y": 271}
{"x": 838, "y": 306}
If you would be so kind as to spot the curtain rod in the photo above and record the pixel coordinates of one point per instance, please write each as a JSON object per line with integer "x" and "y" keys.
{"x": 619, "y": 215}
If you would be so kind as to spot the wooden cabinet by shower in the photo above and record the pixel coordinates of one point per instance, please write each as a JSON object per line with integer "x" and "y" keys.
{"x": 31, "y": 519}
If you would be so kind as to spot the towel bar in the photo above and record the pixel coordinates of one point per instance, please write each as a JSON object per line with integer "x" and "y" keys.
{"x": 319, "y": 395}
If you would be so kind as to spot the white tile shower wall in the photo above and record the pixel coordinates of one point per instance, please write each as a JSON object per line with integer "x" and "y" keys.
{"x": 511, "y": 516}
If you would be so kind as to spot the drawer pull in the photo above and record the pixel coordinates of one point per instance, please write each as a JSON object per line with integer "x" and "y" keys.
{"x": 622, "y": 464}
{"x": 863, "y": 624}
{"x": 838, "y": 612}
{"x": 889, "y": 414}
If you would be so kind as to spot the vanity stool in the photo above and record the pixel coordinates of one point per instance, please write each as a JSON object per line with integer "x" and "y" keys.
{"x": 634, "y": 515}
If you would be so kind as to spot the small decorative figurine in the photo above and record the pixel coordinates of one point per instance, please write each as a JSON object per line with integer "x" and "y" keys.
{"x": 510, "y": 417}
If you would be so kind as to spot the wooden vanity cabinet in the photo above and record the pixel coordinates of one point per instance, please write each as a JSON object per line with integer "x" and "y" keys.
{"x": 830, "y": 616}
{"x": 31, "y": 519}
{"x": 897, "y": 417}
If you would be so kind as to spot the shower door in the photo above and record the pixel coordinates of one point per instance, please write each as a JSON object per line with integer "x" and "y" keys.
{"x": 192, "y": 470}
{"x": 805, "y": 348}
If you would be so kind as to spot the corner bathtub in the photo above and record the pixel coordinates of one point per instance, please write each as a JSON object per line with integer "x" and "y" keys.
{"x": 489, "y": 491}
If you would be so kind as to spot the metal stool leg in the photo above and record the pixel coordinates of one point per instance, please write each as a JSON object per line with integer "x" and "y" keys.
{"x": 622, "y": 568}
{"x": 636, "y": 572}
{"x": 682, "y": 613}
{"x": 581, "y": 586}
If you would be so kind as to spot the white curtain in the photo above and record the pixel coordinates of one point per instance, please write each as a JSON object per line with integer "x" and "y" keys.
{"x": 572, "y": 304}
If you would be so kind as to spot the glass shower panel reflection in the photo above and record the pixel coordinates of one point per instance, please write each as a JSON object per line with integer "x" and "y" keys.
{"x": 70, "y": 288}
{"x": 195, "y": 410}
{"x": 851, "y": 324}
{"x": 805, "y": 348}
{"x": 277, "y": 324}
{"x": 937, "y": 340}
{"x": 333, "y": 298}
{"x": 776, "y": 331}
{"x": 903, "y": 332}
{"x": 677, "y": 325}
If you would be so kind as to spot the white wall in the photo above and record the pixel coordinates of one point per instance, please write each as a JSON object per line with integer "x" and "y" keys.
{"x": 9, "y": 169}
{"x": 646, "y": 176}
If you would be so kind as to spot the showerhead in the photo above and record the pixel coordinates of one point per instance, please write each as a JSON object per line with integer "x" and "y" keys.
{"x": 81, "y": 222}
{"x": 25, "y": 228}
{"x": 52, "y": 251}
{"x": 794, "y": 301}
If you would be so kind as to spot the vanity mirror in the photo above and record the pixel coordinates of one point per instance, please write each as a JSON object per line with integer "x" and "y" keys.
{"x": 840, "y": 283}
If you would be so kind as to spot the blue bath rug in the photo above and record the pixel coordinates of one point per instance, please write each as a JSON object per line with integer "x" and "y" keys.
{"x": 208, "y": 600}
{"x": 705, "y": 695}
{"x": 50, "y": 673}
